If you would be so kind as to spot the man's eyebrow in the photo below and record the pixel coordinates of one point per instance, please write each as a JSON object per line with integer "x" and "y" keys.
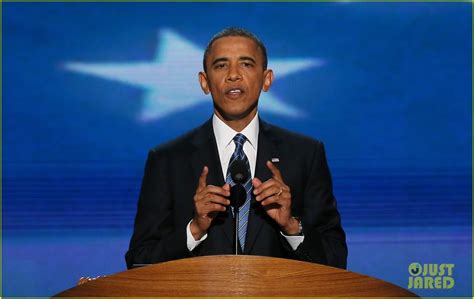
{"x": 247, "y": 58}
{"x": 220, "y": 59}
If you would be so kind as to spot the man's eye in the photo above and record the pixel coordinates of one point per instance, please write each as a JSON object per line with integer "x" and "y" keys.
{"x": 220, "y": 66}
{"x": 247, "y": 64}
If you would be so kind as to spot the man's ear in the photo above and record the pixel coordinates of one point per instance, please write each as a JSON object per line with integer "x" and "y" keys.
{"x": 267, "y": 79}
{"x": 203, "y": 82}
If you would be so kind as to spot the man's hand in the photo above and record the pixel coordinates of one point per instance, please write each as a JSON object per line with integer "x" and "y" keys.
{"x": 275, "y": 197}
{"x": 208, "y": 201}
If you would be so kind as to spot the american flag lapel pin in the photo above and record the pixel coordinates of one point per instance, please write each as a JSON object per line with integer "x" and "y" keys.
{"x": 275, "y": 160}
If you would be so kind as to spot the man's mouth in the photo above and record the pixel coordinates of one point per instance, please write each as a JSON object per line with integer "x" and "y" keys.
{"x": 234, "y": 92}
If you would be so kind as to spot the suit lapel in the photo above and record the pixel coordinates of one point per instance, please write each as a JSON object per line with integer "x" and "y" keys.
{"x": 267, "y": 150}
{"x": 206, "y": 153}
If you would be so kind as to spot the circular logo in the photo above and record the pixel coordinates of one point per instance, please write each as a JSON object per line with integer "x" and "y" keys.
{"x": 414, "y": 269}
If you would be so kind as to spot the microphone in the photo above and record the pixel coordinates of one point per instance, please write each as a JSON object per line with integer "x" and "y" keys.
{"x": 239, "y": 171}
{"x": 239, "y": 174}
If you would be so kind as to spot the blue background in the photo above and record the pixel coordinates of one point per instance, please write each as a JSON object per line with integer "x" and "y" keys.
{"x": 392, "y": 103}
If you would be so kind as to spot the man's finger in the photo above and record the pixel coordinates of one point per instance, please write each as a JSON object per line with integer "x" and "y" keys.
{"x": 203, "y": 194}
{"x": 217, "y": 190}
{"x": 256, "y": 182}
{"x": 272, "y": 191}
{"x": 217, "y": 208}
{"x": 203, "y": 178}
{"x": 265, "y": 185}
{"x": 214, "y": 198}
{"x": 275, "y": 171}
{"x": 226, "y": 187}
{"x": 271, "y": 200}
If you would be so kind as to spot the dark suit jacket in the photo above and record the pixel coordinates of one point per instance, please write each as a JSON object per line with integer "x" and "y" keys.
{"x": 166, "y": 203}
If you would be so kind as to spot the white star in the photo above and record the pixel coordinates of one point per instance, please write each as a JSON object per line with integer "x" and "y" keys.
{"x": 171, "y": 81}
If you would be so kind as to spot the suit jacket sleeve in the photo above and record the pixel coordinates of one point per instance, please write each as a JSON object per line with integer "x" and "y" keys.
{"x": 158, "y": 234}
{"x": 324, "y": 239}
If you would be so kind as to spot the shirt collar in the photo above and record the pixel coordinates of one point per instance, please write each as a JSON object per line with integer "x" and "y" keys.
{"x": 225, "y": 134}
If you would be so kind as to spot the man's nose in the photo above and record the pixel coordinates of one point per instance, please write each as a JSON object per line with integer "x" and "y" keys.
{"x": 234, "y": 74}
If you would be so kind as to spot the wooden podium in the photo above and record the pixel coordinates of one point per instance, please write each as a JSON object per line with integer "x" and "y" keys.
{"x": 234, "y": 276}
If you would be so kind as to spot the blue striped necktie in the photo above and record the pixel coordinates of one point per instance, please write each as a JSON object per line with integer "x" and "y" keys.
{"x": 239, "y": 154}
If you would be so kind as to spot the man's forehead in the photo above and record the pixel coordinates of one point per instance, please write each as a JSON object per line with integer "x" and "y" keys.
{"x": 234, "y": 44}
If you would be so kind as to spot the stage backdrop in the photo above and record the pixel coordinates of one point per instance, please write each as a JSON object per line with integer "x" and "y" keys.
{"x": 89, "y": 88}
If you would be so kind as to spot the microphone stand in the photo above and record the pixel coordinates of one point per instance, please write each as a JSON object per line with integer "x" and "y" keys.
{"x": 238, "y": 194}
{"x": 236, "y": 229}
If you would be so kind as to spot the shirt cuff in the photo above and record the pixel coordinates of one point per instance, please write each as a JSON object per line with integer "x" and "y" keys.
{"x": 190, "y": 239}
{"x": 294, "y": 241}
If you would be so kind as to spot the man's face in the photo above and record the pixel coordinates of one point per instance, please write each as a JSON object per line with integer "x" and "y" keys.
{"x": 235, "y": 77}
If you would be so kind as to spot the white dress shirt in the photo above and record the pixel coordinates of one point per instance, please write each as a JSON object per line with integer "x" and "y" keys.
{"x": 225, "y": 147}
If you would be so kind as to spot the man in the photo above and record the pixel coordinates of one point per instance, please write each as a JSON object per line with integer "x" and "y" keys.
{"x": 184, "y": 208}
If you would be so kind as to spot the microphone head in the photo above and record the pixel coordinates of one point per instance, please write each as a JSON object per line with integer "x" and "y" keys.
{"x": 239, "y": 172}
{"x": 238, "y": 195}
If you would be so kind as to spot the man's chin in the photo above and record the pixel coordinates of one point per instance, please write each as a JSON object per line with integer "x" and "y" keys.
{"x": 235, "y": 115}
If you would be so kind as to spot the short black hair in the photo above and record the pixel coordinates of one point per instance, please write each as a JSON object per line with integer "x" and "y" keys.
{"x": 235, "y": 31}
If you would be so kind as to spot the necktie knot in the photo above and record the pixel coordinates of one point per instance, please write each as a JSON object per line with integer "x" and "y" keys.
{"x": 239, "y": 139}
